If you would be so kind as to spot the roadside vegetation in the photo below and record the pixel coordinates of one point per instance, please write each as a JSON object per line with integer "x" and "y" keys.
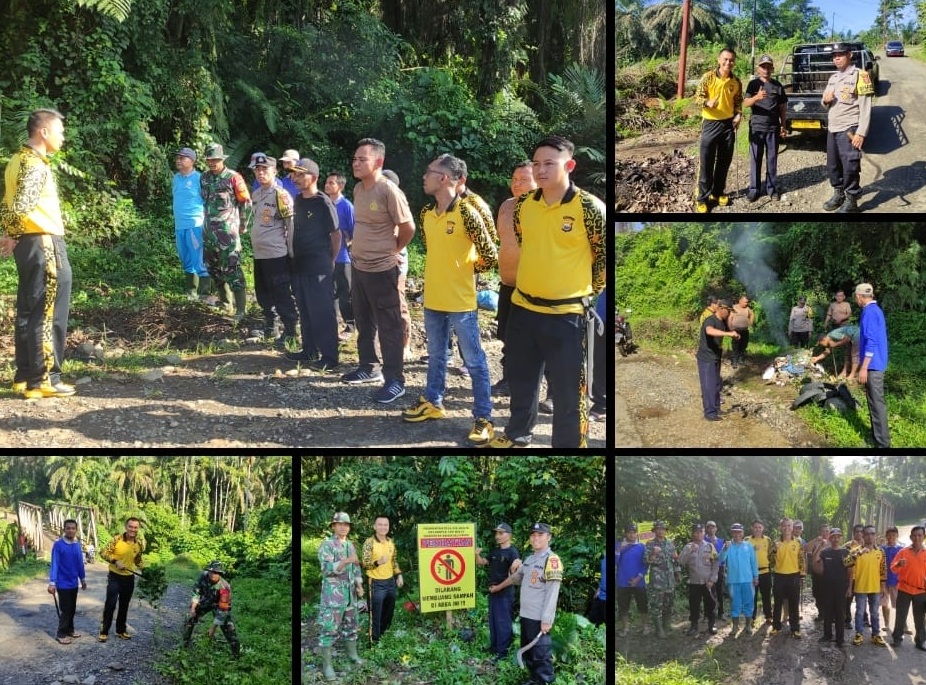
{"x": 665, "y": 272}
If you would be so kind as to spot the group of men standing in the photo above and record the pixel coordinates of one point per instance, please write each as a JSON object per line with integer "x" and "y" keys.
{"x": 298, "y": 242}
{"x": 876, "y": 577}
{"x": 847, "y": 98}
{"x": 539, "y": 577}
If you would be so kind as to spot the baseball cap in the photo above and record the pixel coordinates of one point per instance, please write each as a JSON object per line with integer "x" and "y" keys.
{"x": 696, "y": 526}
{"x": 798, "y": 524}
{"x": 765, "y": 59}
{"x": 710, "y": 523}
{"x": 186, "y": 152}
{"x": 864, "y": 289}
{"x": 835, "y": 531}
{"x": 659, "y": 524}
{"x": 215, "y": 151}
{"x": 290, "y": 156}
{"x": 736, "y": 526}
{"x": 261, "y": 159}
{"x": 503, "y": 527}
{"x": 306, "y": 166}
{"x": 630, "y": 526}
{"x": 724, "y": 303}
{"x": 538, "y": 527}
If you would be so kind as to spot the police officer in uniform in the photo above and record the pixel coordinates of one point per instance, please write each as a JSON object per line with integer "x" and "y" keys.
{"x": 540, "y": 577}
{"x": 213, "y": 593}
{"x": 848, "y": 98}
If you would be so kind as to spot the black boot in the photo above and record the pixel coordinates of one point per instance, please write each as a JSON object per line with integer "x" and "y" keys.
{"x": 849, "y": 206}
{"x": 836, "y": 201}
{"x": 269, "y": 328}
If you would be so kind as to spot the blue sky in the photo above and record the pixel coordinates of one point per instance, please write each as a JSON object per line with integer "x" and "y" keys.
{"x": 852, "y": 15}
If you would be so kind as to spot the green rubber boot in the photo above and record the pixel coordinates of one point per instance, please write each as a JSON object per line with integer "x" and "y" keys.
{"x": 241, "y": 304}
{"x": 327, "y": 670}
{"x": 192, "y": 286}
{"x": 352, "y": 652}
{"x": 205, "y": 285}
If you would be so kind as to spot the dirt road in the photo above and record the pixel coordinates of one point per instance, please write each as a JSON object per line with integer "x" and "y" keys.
{"x": 659, "y": 405}
{"x": 29, "y": 654}
{"x": 782, "y": 660}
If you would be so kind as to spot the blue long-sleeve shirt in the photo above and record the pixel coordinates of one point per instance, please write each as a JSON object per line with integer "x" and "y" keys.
{"x": 872, "y": 337}
{"x": 603, "y": 583}
{"x": 630, "y": 563}
{"x": 67, "y": 564}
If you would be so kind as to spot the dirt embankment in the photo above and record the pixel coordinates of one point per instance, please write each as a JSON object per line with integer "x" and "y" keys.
{"x": 659, "y": 405}
{"x": 30, "y": 655}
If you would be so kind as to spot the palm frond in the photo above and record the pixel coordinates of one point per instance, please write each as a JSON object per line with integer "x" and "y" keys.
{"x": 117, "y": 9}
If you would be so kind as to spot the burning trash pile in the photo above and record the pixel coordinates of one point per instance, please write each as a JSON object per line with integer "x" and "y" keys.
{"x": 794, "y": 365}
{"x": 656, "y": 184}
{"x": 797, "y": 366}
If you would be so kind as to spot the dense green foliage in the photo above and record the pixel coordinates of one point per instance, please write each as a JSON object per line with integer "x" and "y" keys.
{"x": 562, "y": 491}
{"x": 665, "y": 272}
{"x": 672, "y": 673}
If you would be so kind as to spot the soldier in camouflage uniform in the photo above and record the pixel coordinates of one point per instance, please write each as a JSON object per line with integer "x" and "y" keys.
{"x": 664, "y": 575}
{"x": 213, "y": 593}
{"x": 342, "y": 588}
{"x": 228, "y": 215}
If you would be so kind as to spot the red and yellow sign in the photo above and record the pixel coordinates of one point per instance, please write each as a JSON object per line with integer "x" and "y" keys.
{"x": 447, "y": 566}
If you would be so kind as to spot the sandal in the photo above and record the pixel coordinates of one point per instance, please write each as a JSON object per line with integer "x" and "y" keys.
{"x": 64, "y": 640}
{"x": 75, "y": 635}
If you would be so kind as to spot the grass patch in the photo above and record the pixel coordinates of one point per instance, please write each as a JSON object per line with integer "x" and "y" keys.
{"x": 672, "y": 673}
{"x": 22, "y": 570}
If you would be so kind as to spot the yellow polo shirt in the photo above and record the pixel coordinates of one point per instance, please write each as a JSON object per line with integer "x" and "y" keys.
{"x": 373, "y": 550}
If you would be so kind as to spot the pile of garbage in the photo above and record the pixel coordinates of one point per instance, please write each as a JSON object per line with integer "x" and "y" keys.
{"x": 656, "y": 184}
{"x": 790, "y": 366}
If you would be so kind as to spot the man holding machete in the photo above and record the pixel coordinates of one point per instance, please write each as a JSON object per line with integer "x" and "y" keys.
{"x": 540, "y": 577}
{"x": 67, "y": 567}
{"x": 124, "y": 555}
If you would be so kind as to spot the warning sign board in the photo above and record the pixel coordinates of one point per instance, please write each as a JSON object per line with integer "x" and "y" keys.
{"x": 447, "y": 566}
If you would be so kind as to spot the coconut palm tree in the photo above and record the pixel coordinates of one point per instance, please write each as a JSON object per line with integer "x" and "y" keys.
{"x": 664, "y": 23}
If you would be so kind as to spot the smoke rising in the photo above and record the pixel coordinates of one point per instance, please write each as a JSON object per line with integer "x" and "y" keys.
{"x": 754, "y": 253}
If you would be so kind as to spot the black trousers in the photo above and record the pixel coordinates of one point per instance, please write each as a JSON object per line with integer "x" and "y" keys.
{"x": 317, "y": 322}
{"x": 696, "y": 595}
{"x": 227, "y": 626}
{"x": 844, "y": 162}
{"x": 709, "y": 377}
{"x": 904, "y": 602}
{"x": 42, "y": 303}
{"x": 273, "y": 290}
{"x": 833, "y": 604}
{"x": 118, "y": 589}
{"x": 67, "y": 603}
{"x": 342, "y": 292}
{"x": 383, "y": 606}
{"x": 554, "y": 343}
{"x": 787, "y": 589}
{"x": 739, "y": 345}
{"x": 720, "y": 589}
{"x": 377, "y": 309}
{"x": 817, "y": 585}
{"x": 761, "y": 142}
{"x": 600, "y": 350}
{"x": 716, "y": 154}
{"x": 765, "y": 589}
{"x": 538, "y": 659}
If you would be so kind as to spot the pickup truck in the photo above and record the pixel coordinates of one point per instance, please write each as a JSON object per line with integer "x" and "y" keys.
{"x": 804, "y": 76}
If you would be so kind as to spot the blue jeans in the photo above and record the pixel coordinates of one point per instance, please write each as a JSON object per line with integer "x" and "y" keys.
{"x": 873, "y": 600}
{"x": 500, "y": 611}
{"x": 466, "y": 325}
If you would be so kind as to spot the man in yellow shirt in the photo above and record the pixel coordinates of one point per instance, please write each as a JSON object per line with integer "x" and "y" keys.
{"x": 787, "y": 561}
{"x": 124, "y": 556}
{"x": 379, "y": 561}
{"x": 721, "y": 96}
{"x": 33, "y": 232}
{"x": 870, "y": 585}
{"x": 562, "y": 266}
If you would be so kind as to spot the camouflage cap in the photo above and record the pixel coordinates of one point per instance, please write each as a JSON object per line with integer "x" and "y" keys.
{"x": 215, "y": 151}
{"x": 216, "y": 567}
{"x": 340, "y": 517}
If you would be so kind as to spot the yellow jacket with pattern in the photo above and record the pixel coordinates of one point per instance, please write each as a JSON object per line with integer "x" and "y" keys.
{"x": 30, "y": 203}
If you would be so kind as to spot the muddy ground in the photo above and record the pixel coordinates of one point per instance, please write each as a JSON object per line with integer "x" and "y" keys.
{"x": 659, "y": 405}
{"x": 240, "y": 392}
{"x": 30, "y": 655}
{"x": 780, "y": 660}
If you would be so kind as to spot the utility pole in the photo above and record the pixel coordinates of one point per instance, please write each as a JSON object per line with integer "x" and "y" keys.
{"x": 683, "y": 51}
{"x": 833, "y": 28}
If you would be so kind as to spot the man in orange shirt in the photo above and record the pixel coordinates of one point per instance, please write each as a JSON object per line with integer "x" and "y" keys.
{"x": 910, "y": 567}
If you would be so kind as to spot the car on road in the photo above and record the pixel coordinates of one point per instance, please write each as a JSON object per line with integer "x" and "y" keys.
{"x": 894, "y": 48}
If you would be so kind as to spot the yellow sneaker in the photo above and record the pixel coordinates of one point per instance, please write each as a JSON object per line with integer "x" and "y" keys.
{"x": 49, "y": 390}
{"x": 504, "y": 442}
{"x": 858, "y": 639}
{"x": 423, "y": 411}
{"x": 723, "y": 200}
{"x": 19, "y": 387}
{"x": 482, "y": 433}
{"x": 878, "y": 640}
{"x": 702, "y": 208}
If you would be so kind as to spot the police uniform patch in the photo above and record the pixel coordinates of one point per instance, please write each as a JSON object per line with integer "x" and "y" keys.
{"x": 568, "y": 221}
{"x": 450, "y": 227}
{"x": 553, "y": 570}
{"x": 864, "y": 86}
